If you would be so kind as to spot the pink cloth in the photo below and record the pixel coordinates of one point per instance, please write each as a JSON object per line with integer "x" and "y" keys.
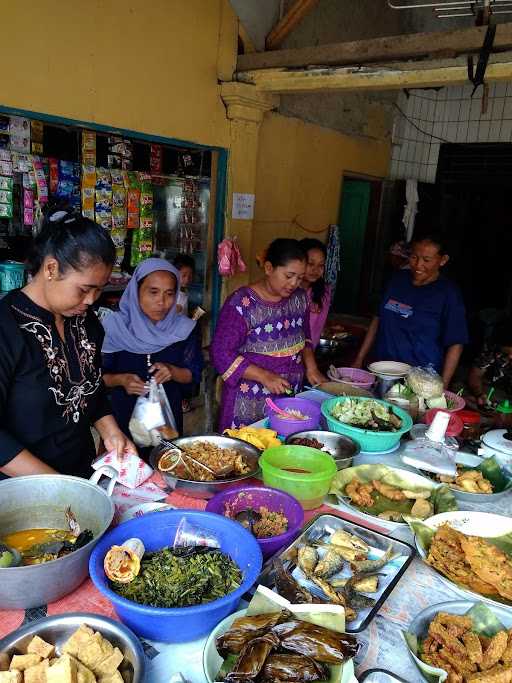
{"x": 317, "y": 317}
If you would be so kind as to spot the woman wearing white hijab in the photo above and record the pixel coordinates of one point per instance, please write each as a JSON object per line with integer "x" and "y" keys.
{"x": 149, "y": 338}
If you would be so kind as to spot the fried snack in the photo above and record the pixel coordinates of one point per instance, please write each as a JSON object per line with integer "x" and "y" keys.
{"x": 359, "y": 493}
{"x": 441, "y": 634}
{"x": 489, "y": 563}
{"x": 388, "y": 491}
{"x": 466, "y": 657}
{"x": 507, "y": 655}
{"x": 471, "y": 481}
{"x": 495, "y": 675}
{"x": 473, "y": 647}
{"x": 494, "y": 650}
{"x": 447, "y": 555}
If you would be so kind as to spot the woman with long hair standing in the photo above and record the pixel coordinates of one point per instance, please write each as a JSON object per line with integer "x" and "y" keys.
{"x": 262, "y": 344}
{"x": 317, "y": 290}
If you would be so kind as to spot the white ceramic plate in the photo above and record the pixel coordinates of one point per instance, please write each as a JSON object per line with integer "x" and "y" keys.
{"x": 212, "y": 661}
{"x": 389, "y": 368}
{"x": 484, "y": 524}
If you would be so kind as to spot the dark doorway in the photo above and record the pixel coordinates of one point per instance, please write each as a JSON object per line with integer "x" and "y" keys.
{"x": 358, "y": 223}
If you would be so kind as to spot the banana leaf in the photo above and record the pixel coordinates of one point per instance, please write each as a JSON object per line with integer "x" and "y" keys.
{"x": 485, "y": 623}
{"x": 424, "y": 535}
{"x": 441, "y": 498}
{"x": 266, "y": 601}
{"x": 491, "y": 470}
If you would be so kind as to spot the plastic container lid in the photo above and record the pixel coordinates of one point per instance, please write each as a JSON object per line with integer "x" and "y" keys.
{"x": 499, "y": 440}
{"x": 455, "y": 425}
{"x": 504, "y": 407}
{"x": 469, "y": 417}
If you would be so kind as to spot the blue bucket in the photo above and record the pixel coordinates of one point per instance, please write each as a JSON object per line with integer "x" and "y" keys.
{"x": 12, "y": 275}
{"x": 156, "y": 531}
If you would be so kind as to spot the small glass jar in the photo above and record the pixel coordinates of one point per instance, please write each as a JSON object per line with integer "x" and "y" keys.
{"x": 472, "y": 424}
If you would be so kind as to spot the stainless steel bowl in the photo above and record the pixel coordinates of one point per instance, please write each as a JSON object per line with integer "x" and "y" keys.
{"x": 205, "y": 489}
{"x": 56, "y": 630}
{"x": 470, "y": 460}
{"x": 39, "y": 502}
{"x": 419, "y": 625}
{"x": 342, "y": 448}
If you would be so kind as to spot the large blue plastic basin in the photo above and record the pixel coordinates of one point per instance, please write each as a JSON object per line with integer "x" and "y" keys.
{"x": 157, "y": 531}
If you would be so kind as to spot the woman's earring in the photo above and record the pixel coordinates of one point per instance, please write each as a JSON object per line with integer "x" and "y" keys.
{"x": 50, "y": 277}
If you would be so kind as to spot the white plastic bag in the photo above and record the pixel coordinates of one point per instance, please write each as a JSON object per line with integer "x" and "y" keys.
{"x": 152, "y": 418}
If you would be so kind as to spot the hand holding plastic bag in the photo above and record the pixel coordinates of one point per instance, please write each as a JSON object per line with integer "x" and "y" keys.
{"x": 152, "y": 418}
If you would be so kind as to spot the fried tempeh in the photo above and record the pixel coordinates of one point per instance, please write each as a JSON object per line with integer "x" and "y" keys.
{"x": 439, "y": 632}
{"x": 507, "y": 655}
{"x": 473, "y": 647}
{"x": 461, "y": 665}
{"x": 495, "y": 650}
{"x": 495, "y": 675}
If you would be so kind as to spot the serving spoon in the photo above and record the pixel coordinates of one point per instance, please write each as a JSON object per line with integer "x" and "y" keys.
{"x": 181, "y": 457}
{"x": 288, "y": 414}
{"x": 248, "y": 518}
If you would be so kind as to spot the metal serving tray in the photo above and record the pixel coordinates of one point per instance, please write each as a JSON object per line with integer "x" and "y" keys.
{"x": 390, "y": 574}
{"x": 380, "y": 676}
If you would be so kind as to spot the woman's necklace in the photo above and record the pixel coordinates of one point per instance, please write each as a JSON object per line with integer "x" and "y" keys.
{"x": 149, "y": 364}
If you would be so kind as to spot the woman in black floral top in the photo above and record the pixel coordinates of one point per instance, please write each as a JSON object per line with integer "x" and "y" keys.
{"x": 493, "y": 367}
{"x": 51, "y": 388}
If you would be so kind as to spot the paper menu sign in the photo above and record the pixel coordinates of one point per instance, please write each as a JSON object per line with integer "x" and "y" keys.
{"x": 243, "y": 206}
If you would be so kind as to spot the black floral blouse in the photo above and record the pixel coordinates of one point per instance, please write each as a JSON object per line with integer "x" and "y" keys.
{"x": 51, "y": 390}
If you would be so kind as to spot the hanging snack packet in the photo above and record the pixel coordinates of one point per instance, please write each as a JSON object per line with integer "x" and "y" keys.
{"x": 118, "y": 238}
{"x": 89, "y": 147}
{"x": 5, "y": 183}
{"x": 133, "y": 200}
{"x": 89, "y": 176}
{"x": 42, "y": 187}
{"x": 68, "y": 180}
{"x": 54, "y": 175}
{"x": 155, "y": 159}
{"x": 103, "y": 198}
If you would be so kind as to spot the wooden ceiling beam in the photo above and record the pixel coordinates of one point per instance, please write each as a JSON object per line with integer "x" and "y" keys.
{"x": 385, "y": 77}
{"x": 391, "y": 48}
{"x": 290, "y": 20}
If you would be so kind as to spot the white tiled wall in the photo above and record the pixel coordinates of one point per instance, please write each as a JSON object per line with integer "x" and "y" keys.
{"x": 448, "y": 115}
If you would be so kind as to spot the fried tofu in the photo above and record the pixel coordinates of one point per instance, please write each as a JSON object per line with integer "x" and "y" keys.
{"x": 38, "y": 646}
{"x": 63, "y": 671}
{"x": 94, "y": 651}
{"x": 11, "y": 676}
{"x": 22, "y": 662}
{"x": 5, "y": 660}
{"x": 113, "y": 678}
{"x": 83, "y": 674}
{"x": 109, "y": 666}
{"x": 37, "y": 673}
{"x": 79, "y": 637}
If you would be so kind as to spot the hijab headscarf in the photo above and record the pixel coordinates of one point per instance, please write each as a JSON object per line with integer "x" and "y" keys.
{"x": 130, "y": 329}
